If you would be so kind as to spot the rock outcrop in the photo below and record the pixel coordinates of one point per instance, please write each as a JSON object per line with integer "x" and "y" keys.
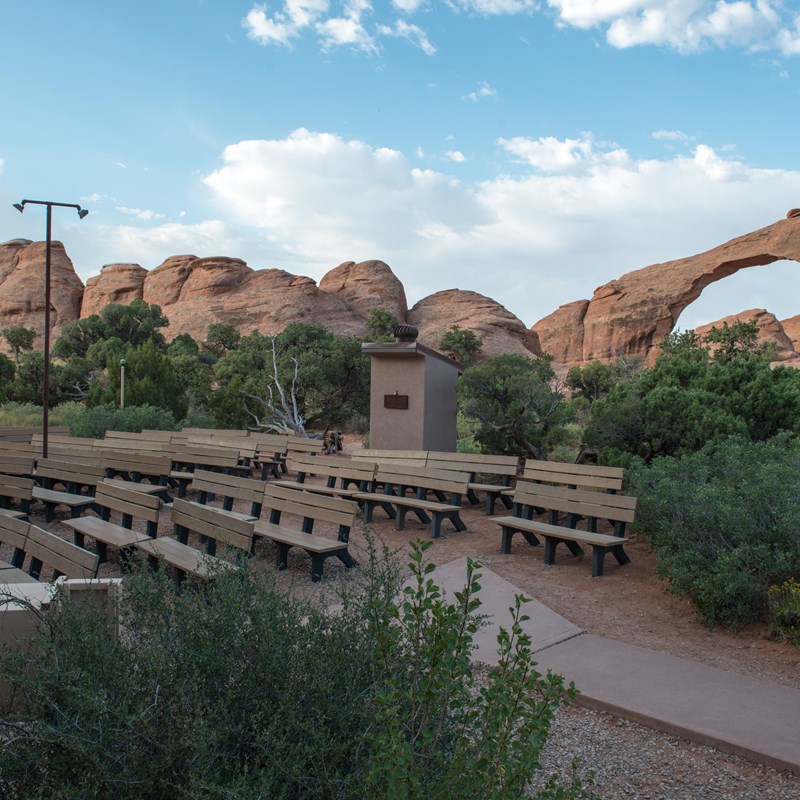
{"x": 116, "y": 283}
{"x": 367, "y": 286}
{"x": 769, "y": 330}
{"x": 633, "y": 314}
{"x": 22, "y": 287}
{"x": 499, "y": 329}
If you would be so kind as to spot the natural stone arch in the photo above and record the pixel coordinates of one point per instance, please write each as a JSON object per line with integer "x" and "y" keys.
{"x": 633, "y": 314}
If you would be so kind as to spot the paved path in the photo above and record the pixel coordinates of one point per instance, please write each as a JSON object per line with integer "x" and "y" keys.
{"x": 746, "y": 716}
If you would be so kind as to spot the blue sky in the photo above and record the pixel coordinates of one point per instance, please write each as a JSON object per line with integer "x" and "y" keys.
{"x": 529, "y": 151}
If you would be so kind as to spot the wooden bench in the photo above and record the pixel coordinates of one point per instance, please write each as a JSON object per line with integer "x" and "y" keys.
{"x": 61, "y": 443}
{"x": 504, "y": 467}
{"x": 331, "y": 468}
{"x": 270, "y": 453}
{"x": 17, "y": 459}
{"x": 15, "y": 491}
{"x": 210, "y": 485}
{"x": 577, "y": 505}
{"x": 141, "y": 471}
{"x": 575, "y": 476}
{"x": 42, "y": 547}
{"x": 130, "y": 505}
{"x": 416, "y": 458}
{"x": 310, "y": 508}
{"x": 396, "y": 480}
{"x": 188, "y": 457}
{"x": 79, "y": 482}
{"x": 13, "y": 433}
{"x": 216, "y": 529}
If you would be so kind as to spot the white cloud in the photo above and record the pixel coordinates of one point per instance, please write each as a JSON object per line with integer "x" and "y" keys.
{"x": 455, "y": 155}
{"x": 407, "y": 6}
{"x": 498, "y": 6}
{"x": 483, "y": 90}
{"x": 686, "y": 25}
{"x": 549, "y": 154}
{"x": 144, "y": 214}
{"x": 584, "y": 215}
{"x": 347, "y": 29}
{"x": 120, "y": 165}
{"x": 671, "y": 136}
{"x": 412, "y": 33}
{"x": 285, "y": 25}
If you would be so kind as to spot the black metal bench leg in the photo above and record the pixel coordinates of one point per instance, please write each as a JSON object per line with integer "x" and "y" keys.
{"x": 436, "y": 526}
{"x": 400, "y": 519}
{"x": 598, "y": 554}
{"x": 102, "y": 552}
{"x": 473, "y": 497}
{"x": 505, "y": 539}
{"x": 422, "y": 515}
{"x": 506, "y": 501}
{"x": 282, "y": 556}
{"x": 317, "y": 565}
{"x": 619, "y": 553}
{"x": 78, "y": 538}
{"x": 346, "y": 559}
{"x": 458, "y": 523}
{"x": 550, "y": 545}
{"x": 574, "y": 548}
{"x": 530, "y": 538}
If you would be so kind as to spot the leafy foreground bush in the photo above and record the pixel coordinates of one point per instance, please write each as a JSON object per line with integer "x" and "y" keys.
{"x": 784, "y": 610}
{"x": 725, "y": 522}
{"x": 240, "y": 690}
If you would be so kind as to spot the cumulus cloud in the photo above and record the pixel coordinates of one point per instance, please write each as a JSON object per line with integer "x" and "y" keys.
{"x": 567, "y": 215}
{"x": 455, "y": 155}
{"x": 284, "y": 25}
{"x": 686, "y": 25}
{"x": 483, "y": 90}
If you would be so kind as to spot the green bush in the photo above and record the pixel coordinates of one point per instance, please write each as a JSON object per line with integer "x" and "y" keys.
{"x": 240, "y": 689}
{"x": 784, "y": 610}
{"x": 93, "y": 422}
{"x": 725, "y": 522}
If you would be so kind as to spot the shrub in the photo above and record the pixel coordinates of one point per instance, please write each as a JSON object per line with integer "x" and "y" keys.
{"x": 93, "y": 422}
{"x": 240, "y": 689}
{"x": 784, "y": 610}
{"x": 725, "y": 522}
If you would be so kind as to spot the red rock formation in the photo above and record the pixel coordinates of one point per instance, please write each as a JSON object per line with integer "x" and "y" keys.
{"x": 116, "y": 283}
{"x": 634, "y": 313}
{"x": 499, "y": 329}
{"x": 194, "y": 292}
{"x": 791, "y": 328}
{"x": 22, "y": 286}
{"x": 769, "y": 330}
{"x": 366, "y": 286}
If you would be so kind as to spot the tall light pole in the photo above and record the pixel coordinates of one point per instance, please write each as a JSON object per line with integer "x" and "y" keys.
{"x": 82, "y": 212}
{"x": 122, "y": 364}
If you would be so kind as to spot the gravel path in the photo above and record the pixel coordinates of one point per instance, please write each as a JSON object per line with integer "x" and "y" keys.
{"x": 636, "y": 763}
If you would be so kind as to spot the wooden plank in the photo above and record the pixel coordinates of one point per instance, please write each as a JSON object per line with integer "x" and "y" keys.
{"x": 249, "y": 489}
{"x": 559, "y": 531}
{"x": 213, "y": 523}
{"x": 107, "y": 532}
{"x": 576, "y": 501}
{"x": 128, "y": 501}
{"x": 437, "y": 480}
{"x": 14, "y": 531}
{"x": 73, "y": 561}
{"x": 16, "y": 487}
{"x": 310, "y": 542}
{"x": 183, "y": 557}
{"x": 469, "y": 462}
{"x": 312, "y": 505}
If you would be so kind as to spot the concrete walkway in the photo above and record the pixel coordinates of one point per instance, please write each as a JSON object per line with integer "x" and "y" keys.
{"x": 735, "y": 713}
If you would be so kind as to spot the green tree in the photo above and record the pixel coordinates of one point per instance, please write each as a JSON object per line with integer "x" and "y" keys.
{"x": 150, "y": 380}
{"x": 592, "y": 381}
{"x": 462, "y": 343}
{"x": 221, "y": 338}
{"x": 135, "y": 323}
{"x": 7, "y": 372}
{"x": 19, "y": 339}
{"x": 77, "y": 337}
{"x": 514, "y": 404}
{"x": 381, "y": 325}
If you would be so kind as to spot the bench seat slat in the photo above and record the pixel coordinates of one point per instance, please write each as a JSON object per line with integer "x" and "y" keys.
{"x": 183, "y": 557}
{"x": 107, "y": 532}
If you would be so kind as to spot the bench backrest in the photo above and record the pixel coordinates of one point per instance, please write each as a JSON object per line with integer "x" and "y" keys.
{"x": 474, "y": 463}
{"x": 332, "y": 467}
{"x": 242, "y": 444}
{"x": 13, "y": 433}
{"x": 69, "y": 471}
{"x": 61, "y": 440}
{"x": 299, "y": 444}
{"x": 577, "y": 475}
{"x": 44, "y": 547}
{"x": 133, "y": 463}
{"x": 414, "y": 457}
{"x": 206, "y": 456}
{"x": 15, "y": 487}
{"x": 311, "y": 507}
{"x": 16, "y": 463}
{"x": 133, "y": 443}
{"x": 129, "y": 503}
{"x": 230, "y": 487}
{"x": 157, "y": 436}
{"x": 210, "y": 522}
{"x": 454, "y": 483}
{"x": 598, "y": 505}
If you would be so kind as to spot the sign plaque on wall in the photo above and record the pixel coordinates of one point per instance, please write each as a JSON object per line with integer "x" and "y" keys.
{"x": 395, "y": 401}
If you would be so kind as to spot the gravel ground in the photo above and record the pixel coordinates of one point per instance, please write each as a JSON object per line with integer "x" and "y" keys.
{"x": 636, "y": 763}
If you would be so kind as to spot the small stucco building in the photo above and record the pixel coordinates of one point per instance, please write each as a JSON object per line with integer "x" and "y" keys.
{"x": 412, "y": 395}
